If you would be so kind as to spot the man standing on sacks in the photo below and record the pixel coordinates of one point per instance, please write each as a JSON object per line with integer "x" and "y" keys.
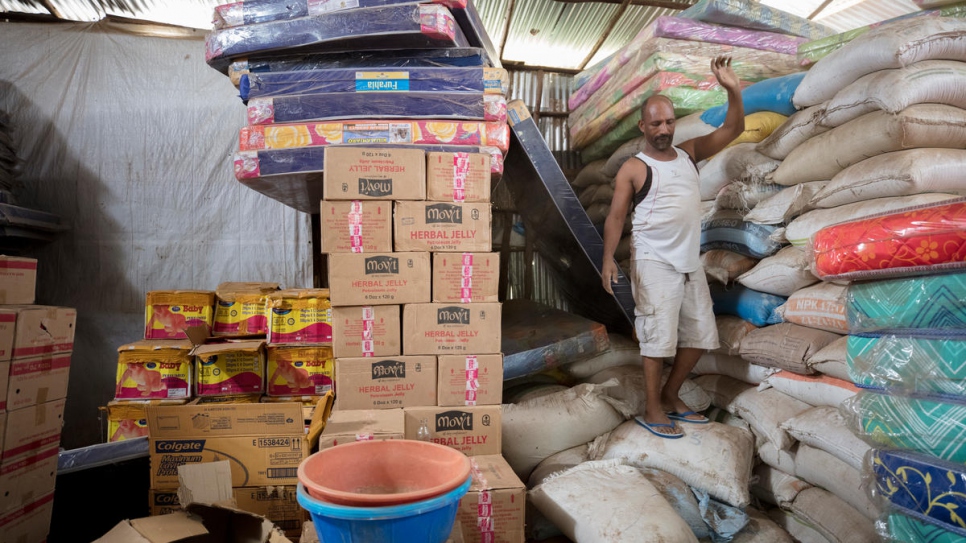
{"x": 672, "y": 301}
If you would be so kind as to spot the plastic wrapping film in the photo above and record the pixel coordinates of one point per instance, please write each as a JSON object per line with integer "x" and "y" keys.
{"x": 686, "y": 101}
{"x": 726, "y": 229}
{"x": 747, "y": 14}
{"x": 419, "y": 79}
{"x": 926, "y": 362}
{"x": 249, "y": 12}
{"x": 391, "y": 27}
{"x": 929, "y": 492}
{"x": 896, "y": 527}
{"x": 350, "y": 105}
{"x": 102, "y": 454}
{"x": 911, "y": 241}
{"x": 811, "y": 52}
{"x": 928, "y": 302}
{"x": 773, "y": 95}
{"x": 932, "y": 425}
{"x": 676, "y": 33}
{"x": 287, "y": 136}
{"x": 758, "y": 308}
{"x": 460, "y": 57}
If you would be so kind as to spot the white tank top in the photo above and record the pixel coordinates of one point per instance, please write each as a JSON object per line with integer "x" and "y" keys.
{"x": 667, "y": 223}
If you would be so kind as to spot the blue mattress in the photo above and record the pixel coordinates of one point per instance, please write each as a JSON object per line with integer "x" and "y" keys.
{"x": 405, "y": 26}
{"x": 473, "y": 80}
{"x": 928, "y": 302}
{"x": 922, "y": 487}
{"x": 350, "y": 105}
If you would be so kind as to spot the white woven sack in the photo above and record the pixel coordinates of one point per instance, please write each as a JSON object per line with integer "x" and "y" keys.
{"x": 732, "y": 366}
{"x": 789, "y": 203}
{"x": 826, "y": 471}
{"x": 781, "y": 274}
{"x": 776, "y": 487}
{"x": 831, "y": 360}
{"x": 797, "y": 129}
{"x": 631, "y": 390}
{"x": 824, "y": 428}
{"x": 561, "y": 461}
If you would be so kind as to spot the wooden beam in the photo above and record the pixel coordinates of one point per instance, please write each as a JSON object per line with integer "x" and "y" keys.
{"x": 819, "y": 9}
{"x": 49, "y": 7}
{"x": 521, "y": 67}
{"x": 511, "y": 7}
{"x": 666, "y": 4}
{"x": 603, "y": 36}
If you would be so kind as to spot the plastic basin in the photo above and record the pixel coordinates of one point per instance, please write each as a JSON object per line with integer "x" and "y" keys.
{"x": 426, "y": 521}
{"x": 382, "y": 473}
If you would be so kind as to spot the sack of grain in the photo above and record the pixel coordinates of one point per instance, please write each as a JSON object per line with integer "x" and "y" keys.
{"x": 755, "y": 307}
{"x": 789, "y": 203}
{"x": 824, "y": 428}
{"x": 591, "y": 175}
{"x": 743, "y": 196}
{"x": 556, "y": 463}
{"x": 727, "y": 229}
{"x": 759, "y": 126}
{"x": 795, "y": 131}
{"x": 761, "y": 529}
{"x": 690, "y": 127}
{"x": 731, "y": 330}
{"x": 623, "y": 351}
{"x": 531, "y": 391}
{"x": 775, "y": 487}
{"x": 740, "y": 162}
{"x": 786, "y": 346}
{"x": 679, "y": 495}
{"x": 831, "y": 360}
{"x": 813, "y": 389}
{"x": 732, "y": 366}
{"x": 612, "y": 165}
{"x": 631, "y": 390}
{"x": 780, "y": 459}
{"x": 725, "y": 266}
{"x": 820, "y": 306}
{"x": 826, "y": 471}
{"x": 781, "y": 274}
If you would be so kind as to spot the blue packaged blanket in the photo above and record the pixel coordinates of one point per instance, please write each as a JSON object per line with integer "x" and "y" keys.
{"x": 921, "y": 487}
{"x": 929, "y": 302}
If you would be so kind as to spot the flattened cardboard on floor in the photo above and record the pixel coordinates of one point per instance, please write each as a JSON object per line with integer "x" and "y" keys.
{"x": 470, "y": 430}
{"x": 442, "y": 227}
{"x": 356, "y": 226}
{"x": 470, "y": 380}
{"x": 494, "y": 508}
{"x": 18, "y": 280}
{"x": 37, "y": 380}
{"x": 451, "y": 329}
{"x": 466, "y": 277}
{"x": 42, "y": 329}
{"x": 385, "y": 383}
{"x": 30, "y": 522}
{"x": 365, "y": 173}
{"x": 362, "y": 425}
{"x": 458, "y": 177}
{"x": 25, "y": 480}
{"x": 379, "y": 278}
{"x": 374, "y": 330}
{"x": 33, "y": 429}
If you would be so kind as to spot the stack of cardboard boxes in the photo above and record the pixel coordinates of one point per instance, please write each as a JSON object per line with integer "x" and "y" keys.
{"x": 35, "y": 351}
{"x": 415, "y": 314}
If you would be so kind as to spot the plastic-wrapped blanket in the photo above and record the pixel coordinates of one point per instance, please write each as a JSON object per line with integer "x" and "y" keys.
{"x": 391, "y": 27}
{"x": 899, "y": 528}
{"x": 728, "y": 230}
{"x": 932, "y": 425}
{"x": 755, "y": 307}
{"x": 920, "y": 486}
{"x": 927, "y": 362}
{"x": 352, "y": 105}
{"x": 247, "y": 12}
{"x": 932, "y": 301}
{"x": 746, "y": 14}
{"x": 419, "y": 79}
{"x": 284, "y": 136}
{"x": 911, "y": 241}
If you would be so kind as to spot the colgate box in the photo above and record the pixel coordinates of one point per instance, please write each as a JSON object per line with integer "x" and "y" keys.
{"x": 452, "y": 328}
{"x": 470, "y": 430}
{"x": 241, "y": 309}
{"x": 372, "y": 330}
{"x": 379, "y": 278}
{"x": 154, "y": 369}
{"x": 442, "y": 227}
{"x": 35, "y": 380}
{"x": 34, "y": 330}
{"x": 356, "y": 226}
{"x": 385, "y": 383}
{"x": 466, "y": 277}
{"x": 470, "y": 380}
{"x": 458, "y": 177}
{"x": 168, "y": 313}
{"x": 358, "y": 173}
{"x": 32, "y": 429}
{"x": 227, "y": 369}
{"x": 295, "y": 371}
{"x": 494, "y": 509}
{"x": 362, "y": 425}
{"x": 301, "y": 316}
{"x": 263, "y": 442}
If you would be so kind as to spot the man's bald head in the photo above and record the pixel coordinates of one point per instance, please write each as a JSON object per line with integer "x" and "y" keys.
{"x": 657, "y": 121}
{"x": 658, "y": 101}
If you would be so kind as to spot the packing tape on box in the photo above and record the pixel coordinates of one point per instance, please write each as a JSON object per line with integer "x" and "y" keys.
{"x": 368, "y": 321}
{"x": 355, "y": 226}
{"x": 472, "y": 379}
{"x": 42, "y": 393}
{"x": 484, "y": 508}
{"x": 365, "y": 437}
{"x": 461, "y": 166}
{"x": 40, "y": 414}
{"x": 466, "y": 278}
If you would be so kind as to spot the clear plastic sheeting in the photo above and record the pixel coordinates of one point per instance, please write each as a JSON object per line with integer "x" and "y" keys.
{"x": 927, "y": 363}
{"x": 386, "y": 105}
{"x": 929, "y": 302}
{"x": 249, "y": 12}
{"x": 898, "y": 528}
{"x": 745, "y": 14}
{"x": 130, "y": 139}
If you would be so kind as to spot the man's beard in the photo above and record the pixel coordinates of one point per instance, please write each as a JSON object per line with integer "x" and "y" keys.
{"x": 662, "y": 142}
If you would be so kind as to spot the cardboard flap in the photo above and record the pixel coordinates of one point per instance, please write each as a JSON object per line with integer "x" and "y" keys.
{"x": 122, "y": 533}
{"x": 227, "y": 525}
{"x": 169, "y": 528}
{"x": 206, "y": 483}
{"x": 156, "y": 345}
{"x": 197, "y": 335}
{"x": 216, "y": 348}
{"x": 319, "y": 418}
{"x": 228, "y": 291}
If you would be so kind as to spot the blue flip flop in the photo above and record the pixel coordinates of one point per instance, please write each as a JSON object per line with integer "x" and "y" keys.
{"x": 650, "y": 426}
{"x": 683, "y": 417}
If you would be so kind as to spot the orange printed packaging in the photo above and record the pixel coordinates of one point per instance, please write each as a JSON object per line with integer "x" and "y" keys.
{"x": 127, "y": 419}
{"x": 300, "y": 316}
{"x": 230, "y": 369}
{"x": 241, "y": 309}
{"x": 154, "y": 370}
{"x": 168, "y": 313}
{"x": 300, "y": 371}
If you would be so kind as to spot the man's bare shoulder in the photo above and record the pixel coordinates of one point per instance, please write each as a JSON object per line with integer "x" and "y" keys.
{"x": 633, "y": 168}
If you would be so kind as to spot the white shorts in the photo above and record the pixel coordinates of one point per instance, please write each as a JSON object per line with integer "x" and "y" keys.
{"x": 672, "y": 309}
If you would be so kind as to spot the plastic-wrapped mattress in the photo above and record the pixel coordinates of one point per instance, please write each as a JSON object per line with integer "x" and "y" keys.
{"x": 752, "y": 15}
{"x": 248, "y": 12}
{"x": 933, "y": 301}
{"x": 382, "y": 105}
{"x": 921, "y": 487}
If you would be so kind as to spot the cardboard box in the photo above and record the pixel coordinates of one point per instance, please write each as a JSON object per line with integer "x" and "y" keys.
{"x": 458, "y": 177}
{"x": 442, "y": 227}
{"x": 128, "y": 419}
{"x": 301, "y": 315}
{"x": 362, "y": 425}
{"x": 30, "y": 522}
{"x": 373, "y": 330}
{"x": 494, "y": 508}
{"x": 385, "y": 382}
{"x": 452, "y": 329}
{"x": 356, "y": 226}
{"x": 466, "y": 277}
{"x": 39, "y": 329}
{"x": 470, "y": 430}
{"x": 32, "y": 429}
{"x": 168, "y": 313}
{"x": 470, "y": 380}
{"x": 18, "y": 280}
{"x": 379, "y": 279}
{"x": 8, "y": 328}
{"x": 23, "y": 481}
{"x": 154, "y": 369}
{"x": 37, "y": 380}
{"x": 295, "y": 370}
{"x": 241, "y": 309}
{"x": 359, "y": 173}
{"x": 230, "y": 368}
{"x": 264, "y": 442}
{"x": 4, "y": 381}
{"x": 276, "y": 503}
